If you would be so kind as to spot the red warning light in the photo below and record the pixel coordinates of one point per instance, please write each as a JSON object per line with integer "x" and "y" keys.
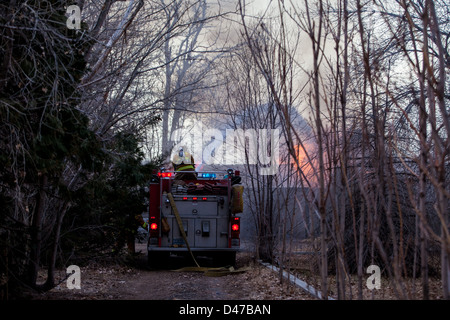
{"x": 235, "y": 227}
{"x": 154, "y": 226}
{"x": 165, "y": 174}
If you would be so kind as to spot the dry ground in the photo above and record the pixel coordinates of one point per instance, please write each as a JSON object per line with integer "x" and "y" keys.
{"x": 305, "y": 267}
{"x": 119, "y": 282}
{"x": 99, "y": 282}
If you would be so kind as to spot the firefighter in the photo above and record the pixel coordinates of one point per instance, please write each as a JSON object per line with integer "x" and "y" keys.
{"x": 128, "y": 233}
{"x": 132, "y": 228}
{"x": 181, "y": 162}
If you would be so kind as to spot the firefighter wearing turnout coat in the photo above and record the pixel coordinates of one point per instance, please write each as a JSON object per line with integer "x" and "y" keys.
{"x": 182, "y": 163}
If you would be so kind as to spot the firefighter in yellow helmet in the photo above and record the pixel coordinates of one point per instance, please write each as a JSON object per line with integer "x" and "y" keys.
{"x": 183, "y": 161}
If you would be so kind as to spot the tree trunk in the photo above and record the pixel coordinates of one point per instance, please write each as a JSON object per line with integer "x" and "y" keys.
{"x": 36, "y": 231}
{"x": 50, "y": 282}
{"x": 423, "y": 184}
{"x": 445, "y": 267}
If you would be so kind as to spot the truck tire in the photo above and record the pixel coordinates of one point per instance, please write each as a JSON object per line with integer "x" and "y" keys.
{"x": 223, "y": 259}
{"x": 157, "y": 260}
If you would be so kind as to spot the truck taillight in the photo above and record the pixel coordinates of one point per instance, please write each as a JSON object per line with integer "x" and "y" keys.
{"x": 235, "y": 227}
{"x": 234, "y": 241}
{"x": 154, "y": 232}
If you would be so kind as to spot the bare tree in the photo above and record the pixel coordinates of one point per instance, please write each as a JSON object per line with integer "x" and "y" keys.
{"x": 276, "y": 67}
{"x": 368, "y": 159}
{"x": 423, "y": 49}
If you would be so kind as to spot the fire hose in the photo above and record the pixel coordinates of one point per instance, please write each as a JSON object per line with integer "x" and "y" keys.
{"x": 211, "y": 272}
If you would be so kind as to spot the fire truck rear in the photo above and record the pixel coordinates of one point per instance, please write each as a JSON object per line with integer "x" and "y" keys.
{"x": 206, "y": 209}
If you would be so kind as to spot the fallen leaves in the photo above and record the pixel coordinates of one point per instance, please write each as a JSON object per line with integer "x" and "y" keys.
{"x": 118, "y": 282}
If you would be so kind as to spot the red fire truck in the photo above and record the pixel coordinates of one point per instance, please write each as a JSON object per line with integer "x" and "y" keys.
{"x": 197, "y": 217}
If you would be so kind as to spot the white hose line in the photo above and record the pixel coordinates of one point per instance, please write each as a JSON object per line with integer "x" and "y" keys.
{"x": 300, "y": 283}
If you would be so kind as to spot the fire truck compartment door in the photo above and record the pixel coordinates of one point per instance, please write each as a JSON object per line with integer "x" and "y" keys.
{"x": 205, "y": 233}
{"x": 177, "y": 237}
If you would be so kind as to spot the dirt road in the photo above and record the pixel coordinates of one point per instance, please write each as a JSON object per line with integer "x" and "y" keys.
{"x": 100, "y": 282}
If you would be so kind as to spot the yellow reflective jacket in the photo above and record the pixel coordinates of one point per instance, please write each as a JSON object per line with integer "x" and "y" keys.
{"x": 185, "y": 163}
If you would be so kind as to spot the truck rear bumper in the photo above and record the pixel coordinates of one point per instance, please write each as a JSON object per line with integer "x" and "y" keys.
{"x": 184, "y": 249}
